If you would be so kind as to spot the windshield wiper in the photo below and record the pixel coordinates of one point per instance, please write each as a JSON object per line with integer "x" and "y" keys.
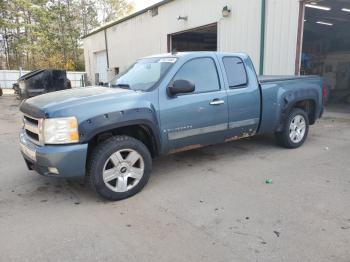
{"x": 125, "y": 86}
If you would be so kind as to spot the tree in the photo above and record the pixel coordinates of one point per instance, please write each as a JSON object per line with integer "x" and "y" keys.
{"x": 114, "y": 9}
{"x": 89, "y": 16}
{"x": 47, "y": 33}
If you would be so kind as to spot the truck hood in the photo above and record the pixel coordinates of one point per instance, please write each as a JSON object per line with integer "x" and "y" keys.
{"x": 69, "y": 102}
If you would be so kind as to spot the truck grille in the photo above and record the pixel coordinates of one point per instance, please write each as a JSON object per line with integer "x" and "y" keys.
{"x": 32, "y": 128}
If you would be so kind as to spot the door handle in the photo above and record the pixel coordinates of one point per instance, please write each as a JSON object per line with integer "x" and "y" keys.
{"x": 217, "y": 102}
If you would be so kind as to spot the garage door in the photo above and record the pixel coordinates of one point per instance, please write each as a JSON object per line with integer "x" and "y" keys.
{"x": 198, "y": 39}
{"x": 101, "y": 66}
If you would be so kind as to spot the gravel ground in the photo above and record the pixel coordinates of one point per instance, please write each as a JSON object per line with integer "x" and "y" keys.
{"x": 210, "y": 204}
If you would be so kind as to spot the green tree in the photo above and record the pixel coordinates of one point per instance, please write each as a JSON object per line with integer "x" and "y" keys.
{"x": 114, "y": 9}
{"x": 47, "y": 33}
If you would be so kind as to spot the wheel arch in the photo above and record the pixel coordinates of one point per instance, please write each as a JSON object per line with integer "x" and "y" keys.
{"x": 140, "y": 123}
{"x": 139, "y": 130}
{"x": 309, "y": 106}
{"x": 307, "y": 103}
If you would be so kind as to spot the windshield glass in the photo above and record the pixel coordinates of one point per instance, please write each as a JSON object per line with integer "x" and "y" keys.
{"x": 144, "y": 74}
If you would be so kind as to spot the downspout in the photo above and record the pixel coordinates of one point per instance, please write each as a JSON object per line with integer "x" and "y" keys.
{"x": 262, "y": 36}
{"x": 300, "y": 36}
{"x": 106, "y": 46}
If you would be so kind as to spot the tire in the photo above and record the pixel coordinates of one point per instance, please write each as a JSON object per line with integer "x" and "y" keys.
{"x": 286, "y": 138}
{"x": 111, "y": 171}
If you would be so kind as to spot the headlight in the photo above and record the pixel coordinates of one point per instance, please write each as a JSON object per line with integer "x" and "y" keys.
{"x": 60, "y": 130}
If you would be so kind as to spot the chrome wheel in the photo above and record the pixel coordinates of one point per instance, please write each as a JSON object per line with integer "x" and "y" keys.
{"x": 297, "y": 129}
{"x": 123, "y": 170}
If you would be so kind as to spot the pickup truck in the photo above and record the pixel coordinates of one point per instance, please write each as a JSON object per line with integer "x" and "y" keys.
{"x": 162, "y": 104}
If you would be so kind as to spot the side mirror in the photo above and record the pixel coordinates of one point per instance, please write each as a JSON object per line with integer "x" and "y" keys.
{"x": 181, "y": 87}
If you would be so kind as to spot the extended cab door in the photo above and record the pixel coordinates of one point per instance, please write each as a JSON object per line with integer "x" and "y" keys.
{"x": 243, "y": 92}
{"x": 199, "y": 118}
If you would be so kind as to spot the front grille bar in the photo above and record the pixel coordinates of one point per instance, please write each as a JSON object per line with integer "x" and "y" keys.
{"x": 29, "y": 124}
{"x": 31, "y": 127}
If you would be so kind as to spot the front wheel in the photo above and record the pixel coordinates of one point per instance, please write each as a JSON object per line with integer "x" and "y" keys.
{"x": 295, "y": 129}
{"x": 119, "y": 167}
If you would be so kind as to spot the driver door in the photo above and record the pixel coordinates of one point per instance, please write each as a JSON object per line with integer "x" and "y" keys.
{"x": 199, "y": 118}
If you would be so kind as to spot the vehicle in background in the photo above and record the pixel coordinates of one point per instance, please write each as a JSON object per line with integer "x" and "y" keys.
{"x": 41, "y": 81}
{"x": 16, "y": 91}
{"x": 161, "y": 105}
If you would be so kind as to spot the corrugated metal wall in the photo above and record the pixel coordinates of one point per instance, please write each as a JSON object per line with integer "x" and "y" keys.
{"x": 145, "y": 35}
{"x": 241, "y": 31}
{"x": 281, "y": 36}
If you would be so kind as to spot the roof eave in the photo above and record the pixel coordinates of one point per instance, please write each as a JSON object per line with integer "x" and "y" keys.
{"x": 126, "y": 18}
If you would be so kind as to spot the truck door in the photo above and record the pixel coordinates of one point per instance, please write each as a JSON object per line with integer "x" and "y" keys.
{"x": 243, "y": 96}
{"x": 199, "y": 118}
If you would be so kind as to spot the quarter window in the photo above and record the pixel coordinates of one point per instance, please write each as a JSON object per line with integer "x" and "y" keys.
{"x": 202, "y": 72}
{"x": 235, "y": 71}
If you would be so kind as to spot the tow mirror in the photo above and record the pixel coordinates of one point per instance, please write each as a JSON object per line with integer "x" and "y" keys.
{"x": 181, "y": 87}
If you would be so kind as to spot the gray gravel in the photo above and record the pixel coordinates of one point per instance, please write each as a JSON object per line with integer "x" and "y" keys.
{"x": 210, "y": 204}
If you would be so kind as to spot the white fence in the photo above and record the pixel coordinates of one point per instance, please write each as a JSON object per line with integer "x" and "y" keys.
{"x": 9, "y": 77}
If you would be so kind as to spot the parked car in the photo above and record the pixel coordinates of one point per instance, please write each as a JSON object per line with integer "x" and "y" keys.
{"x": 162, "y": 104}
{"x": 40, "y": 82}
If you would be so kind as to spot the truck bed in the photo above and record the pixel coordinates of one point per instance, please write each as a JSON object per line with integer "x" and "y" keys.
{"x": 272, "y": 78}
{"x": 278, "y": 91}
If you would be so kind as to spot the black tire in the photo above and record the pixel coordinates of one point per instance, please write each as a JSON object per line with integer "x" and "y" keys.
{"x": 283, "y": 137}
{"x": 102, "y": 152}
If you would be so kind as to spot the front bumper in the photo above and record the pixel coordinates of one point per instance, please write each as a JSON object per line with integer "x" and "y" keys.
{"x": 68, "y": 160}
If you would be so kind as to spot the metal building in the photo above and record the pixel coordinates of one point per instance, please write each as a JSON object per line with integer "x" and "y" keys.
{"x": 267, "y": 30}
{"x": 270, "y": 31}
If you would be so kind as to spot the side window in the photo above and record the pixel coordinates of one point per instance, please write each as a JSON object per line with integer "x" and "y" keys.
{"x": 235, "y": 71}
{"x": 202, "y": 72}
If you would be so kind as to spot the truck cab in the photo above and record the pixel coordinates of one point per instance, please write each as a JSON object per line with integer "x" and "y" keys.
{"x": 223, "y": 105}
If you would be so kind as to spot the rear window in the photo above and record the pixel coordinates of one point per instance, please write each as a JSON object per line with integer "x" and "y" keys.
{"x": 235, "y": 71}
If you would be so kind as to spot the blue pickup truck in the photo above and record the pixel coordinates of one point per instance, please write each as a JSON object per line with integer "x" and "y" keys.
{"x": 162, "y": 104}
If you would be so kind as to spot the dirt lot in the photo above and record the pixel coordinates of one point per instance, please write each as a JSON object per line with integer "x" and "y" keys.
{"x": 210, "y": 204}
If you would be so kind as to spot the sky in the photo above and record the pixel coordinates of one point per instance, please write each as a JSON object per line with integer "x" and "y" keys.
{"x": 141, "y": 4}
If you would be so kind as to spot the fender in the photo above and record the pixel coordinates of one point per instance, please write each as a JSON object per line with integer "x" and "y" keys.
{"x": 289, "y": 99}
{"x": 109, "y": 121}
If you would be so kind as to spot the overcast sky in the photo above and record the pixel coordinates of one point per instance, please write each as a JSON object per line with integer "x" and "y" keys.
{"x": 141, "y": 4}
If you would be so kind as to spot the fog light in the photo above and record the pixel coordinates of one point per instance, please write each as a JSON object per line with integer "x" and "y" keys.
{"x": 53, "y": 170}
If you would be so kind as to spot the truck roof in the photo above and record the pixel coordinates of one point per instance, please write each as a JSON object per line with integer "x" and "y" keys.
{"x": 197, "y": 54}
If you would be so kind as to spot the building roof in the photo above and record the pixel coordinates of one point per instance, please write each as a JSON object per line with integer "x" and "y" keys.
{"x": 108, "y": 25}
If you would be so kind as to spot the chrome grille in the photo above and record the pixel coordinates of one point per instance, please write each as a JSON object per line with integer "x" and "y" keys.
{"x": 32, "y": 128}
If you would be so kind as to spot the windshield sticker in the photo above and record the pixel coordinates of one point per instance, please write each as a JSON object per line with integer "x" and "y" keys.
{"x": 167, "y": 60}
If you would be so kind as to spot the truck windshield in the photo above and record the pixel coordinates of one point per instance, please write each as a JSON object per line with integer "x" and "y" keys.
{"x": 144, "y": 74}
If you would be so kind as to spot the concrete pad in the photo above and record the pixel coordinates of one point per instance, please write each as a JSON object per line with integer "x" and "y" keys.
{"x": 210, "y": 204}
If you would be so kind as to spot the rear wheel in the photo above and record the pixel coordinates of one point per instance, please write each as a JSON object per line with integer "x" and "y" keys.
{"x": 119, "y": 167}
{"x": 295, "y": 129}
